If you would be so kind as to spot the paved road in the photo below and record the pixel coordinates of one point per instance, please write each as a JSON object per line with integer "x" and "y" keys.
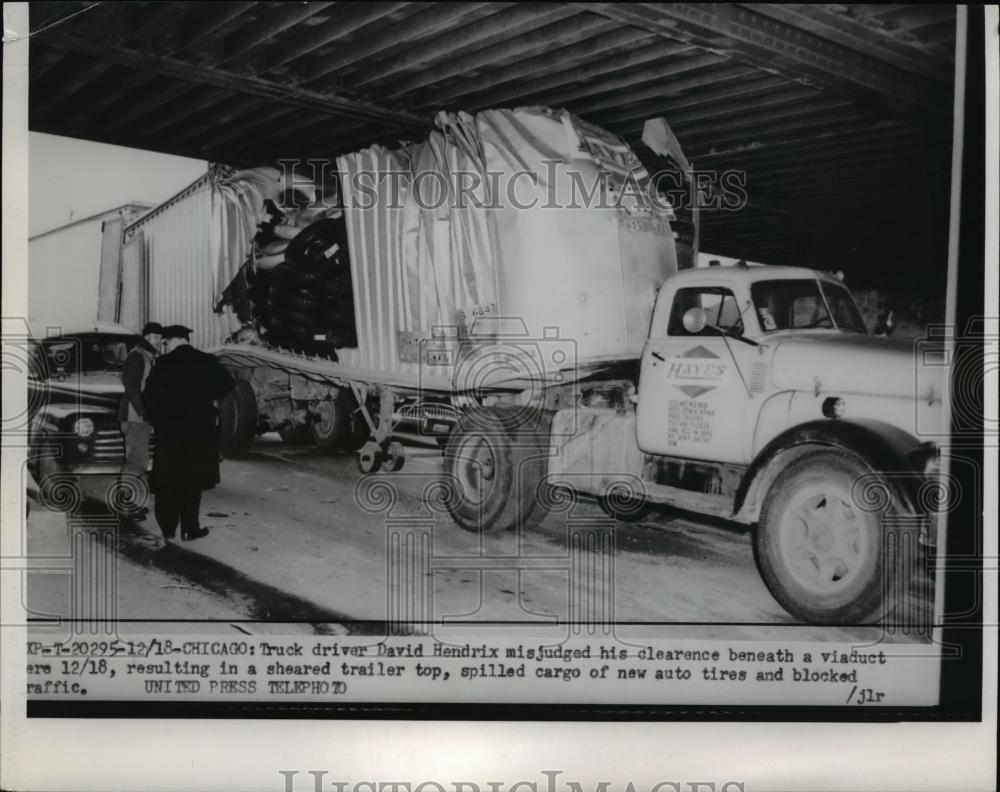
{"x": 300, "y": 537}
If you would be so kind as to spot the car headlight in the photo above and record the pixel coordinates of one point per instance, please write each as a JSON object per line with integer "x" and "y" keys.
{"x": 926, "y": 458}
{"x": 932, "y": 467}
{"x": 834, "y": 407}
{"x": 83, "y": 427}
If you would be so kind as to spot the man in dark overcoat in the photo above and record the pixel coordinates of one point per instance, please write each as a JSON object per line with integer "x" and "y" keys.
{"x": 181, "y": 396}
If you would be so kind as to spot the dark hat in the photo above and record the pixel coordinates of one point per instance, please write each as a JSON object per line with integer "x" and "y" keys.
{"x": 177, "y": 331}
{"x": 152, "y": 327}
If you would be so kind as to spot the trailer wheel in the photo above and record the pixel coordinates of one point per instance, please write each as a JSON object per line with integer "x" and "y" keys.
{"x": 238, "y": 421}
{"x": 490, "y": 469}
{"x": 822, "y": 556}
{"x": 395, "y": 457}
{"x": 330, "y": 423}
{"x": 370, "y": 457}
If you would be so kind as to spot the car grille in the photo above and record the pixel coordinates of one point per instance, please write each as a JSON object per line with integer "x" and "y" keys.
{"x": 429, "y": 411}
{"x": 109, "y": 445}
{"x": 439, "y": 412}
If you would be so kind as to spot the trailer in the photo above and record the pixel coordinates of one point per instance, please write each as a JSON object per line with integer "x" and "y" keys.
{"x": 63, "y": 261}
{"x": 496, "y": 263}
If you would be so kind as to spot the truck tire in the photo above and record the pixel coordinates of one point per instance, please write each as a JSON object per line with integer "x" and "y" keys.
{"x": 330, "y": 424}
{"x": 822, "y": 557}
{"x": 238, "y": 425}
{"x": 312, "y": 244}
{"x": 490, "y": 467}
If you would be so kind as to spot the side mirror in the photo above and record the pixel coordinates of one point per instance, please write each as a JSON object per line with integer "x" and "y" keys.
{"x": 694, "y": 320}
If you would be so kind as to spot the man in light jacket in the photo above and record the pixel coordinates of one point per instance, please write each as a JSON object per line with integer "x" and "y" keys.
{"x": 132, "y": 412}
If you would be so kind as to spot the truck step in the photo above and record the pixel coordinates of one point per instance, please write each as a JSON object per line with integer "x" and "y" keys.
{"x": 702, "y": 502}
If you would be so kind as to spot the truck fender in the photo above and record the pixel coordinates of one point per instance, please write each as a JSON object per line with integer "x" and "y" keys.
{"x": 883, "y": 447}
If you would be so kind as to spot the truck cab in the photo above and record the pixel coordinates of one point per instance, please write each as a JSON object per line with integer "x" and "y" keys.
{"x": 737, "y": 355}
{"x": 761, "y": 399}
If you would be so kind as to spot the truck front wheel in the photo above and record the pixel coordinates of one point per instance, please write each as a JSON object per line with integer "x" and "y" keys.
{"x": 821, "y": 555}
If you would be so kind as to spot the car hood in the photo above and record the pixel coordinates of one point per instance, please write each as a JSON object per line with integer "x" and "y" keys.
{"x": 851, "y": 363}
{"x": 101, "y": 389}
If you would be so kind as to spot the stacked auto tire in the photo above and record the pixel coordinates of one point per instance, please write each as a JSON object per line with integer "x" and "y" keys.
{"x": 303, "y": 297}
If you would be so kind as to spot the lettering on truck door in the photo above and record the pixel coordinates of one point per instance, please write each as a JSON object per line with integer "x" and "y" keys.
{"x": 693, "y": 400}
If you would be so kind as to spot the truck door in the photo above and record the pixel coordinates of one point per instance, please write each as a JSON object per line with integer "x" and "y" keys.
{"x": 693, "y": 387}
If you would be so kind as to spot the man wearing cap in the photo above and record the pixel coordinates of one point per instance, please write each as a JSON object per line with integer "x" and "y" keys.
{"x": 132, "y": 412}
{"x": 180, "y": 398}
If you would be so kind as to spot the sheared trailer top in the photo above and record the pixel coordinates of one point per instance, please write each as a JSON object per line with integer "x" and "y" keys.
{"x": 558, "y": 272}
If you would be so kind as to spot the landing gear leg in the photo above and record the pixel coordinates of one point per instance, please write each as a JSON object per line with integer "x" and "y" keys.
{"x": 381, "y": 450}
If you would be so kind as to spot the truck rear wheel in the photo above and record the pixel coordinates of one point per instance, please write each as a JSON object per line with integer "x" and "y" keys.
{"x": 491, "y": 471}
{"x": 821, "y": 555}
{"x": 238, "y": 421}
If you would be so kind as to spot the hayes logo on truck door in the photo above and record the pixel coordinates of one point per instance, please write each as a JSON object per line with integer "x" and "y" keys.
{"x": 696, "y": 371}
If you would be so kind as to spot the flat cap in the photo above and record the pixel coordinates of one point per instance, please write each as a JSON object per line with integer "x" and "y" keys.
{"x": 177, "y": 331}
{"x": 152, "y": 327}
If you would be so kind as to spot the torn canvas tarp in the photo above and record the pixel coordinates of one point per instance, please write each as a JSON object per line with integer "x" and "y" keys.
{"x": 508, "y": 215}
{"x": 666, "y": 158}
{"x": 530, "y": 215}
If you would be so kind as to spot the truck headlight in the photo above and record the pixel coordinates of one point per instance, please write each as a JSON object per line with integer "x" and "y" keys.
{"x": 83, "y": 427}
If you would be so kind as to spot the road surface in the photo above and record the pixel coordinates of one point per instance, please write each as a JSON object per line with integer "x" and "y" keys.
{"x": 301, "y": 538}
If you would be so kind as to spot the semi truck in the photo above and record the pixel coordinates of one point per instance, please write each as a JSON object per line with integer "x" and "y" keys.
{"x": 523, "y": 308}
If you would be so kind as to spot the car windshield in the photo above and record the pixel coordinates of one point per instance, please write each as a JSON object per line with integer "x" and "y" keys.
{"x": 804, "y": 305}
{"x": 84, "y": 354}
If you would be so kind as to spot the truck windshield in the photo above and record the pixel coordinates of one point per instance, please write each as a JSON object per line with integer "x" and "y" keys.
{"x": 84, "y": 354}
{"x": 804, "y": 305}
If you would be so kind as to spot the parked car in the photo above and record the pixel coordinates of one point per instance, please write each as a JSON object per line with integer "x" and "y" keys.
{"x": 74, "y": 389}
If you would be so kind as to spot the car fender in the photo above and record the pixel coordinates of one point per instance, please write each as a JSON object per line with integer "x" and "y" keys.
{"x": 883, "y": 447}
